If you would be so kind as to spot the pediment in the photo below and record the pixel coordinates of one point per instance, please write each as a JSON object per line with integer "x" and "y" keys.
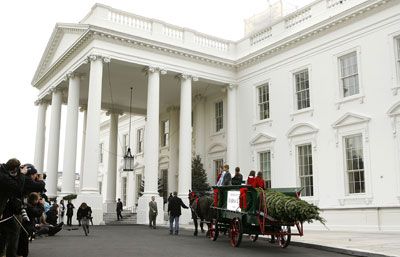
{"x": 394, "y": 110}
{"x": 262, "y": 138}
{"x": 62, "y": 38}
{"x": 163, "y": 159}
{"x": 350, "y": 119}
{"x": 301, "y": 129}
{"x": 217, "y": 148}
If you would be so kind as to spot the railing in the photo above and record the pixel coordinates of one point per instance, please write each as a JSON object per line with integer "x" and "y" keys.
{"x": 333, "y": 3}
{"x": 173, "y": 32}
{"x": 298, "y": 17}
{"x": 261, "y": 36}
{"x": 130, "y": 208}
{"x": 130, "y": 21}
{"x": 212, "y": 43}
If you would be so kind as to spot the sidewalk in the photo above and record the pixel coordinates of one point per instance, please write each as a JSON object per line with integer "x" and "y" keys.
{"x": 355, "y": 243}
{"x": 367, "y": 244}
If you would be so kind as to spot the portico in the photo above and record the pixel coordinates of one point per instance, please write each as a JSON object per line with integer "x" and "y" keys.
{"x": 96, "y": 76}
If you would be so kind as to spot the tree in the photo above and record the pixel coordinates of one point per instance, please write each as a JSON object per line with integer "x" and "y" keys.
{"x": 199, "y": 176}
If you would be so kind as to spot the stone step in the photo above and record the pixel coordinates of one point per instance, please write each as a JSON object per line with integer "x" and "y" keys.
{"x": 127, "y": 219}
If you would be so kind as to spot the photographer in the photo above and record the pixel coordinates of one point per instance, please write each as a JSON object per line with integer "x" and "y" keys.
{"x": 11, "y": 183}
{"x": 16, "y": 181}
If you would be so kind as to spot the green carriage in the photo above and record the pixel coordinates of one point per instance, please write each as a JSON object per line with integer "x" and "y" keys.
{"x": 242, "y": 210}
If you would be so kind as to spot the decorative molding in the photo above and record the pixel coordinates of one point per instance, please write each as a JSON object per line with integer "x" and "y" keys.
{"x": 394, "y": 113}
{"x": 152, "y": 69}
{"x": 216, "y": 148}
{"x": 41, "y": 101}
{"x": 114, "y": 111}
{"x": 262, "y": 138}
{"x": 232, "y": 86}
{"x": 349, "y": 119}
{"x": 173, "y": 108}
{"x": 187, "y": 76}
{"x": 301, "y": 129}
{"x": 98, "y": 57}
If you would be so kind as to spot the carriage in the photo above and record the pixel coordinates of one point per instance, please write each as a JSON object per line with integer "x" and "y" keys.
{"x": 242, "y": 210}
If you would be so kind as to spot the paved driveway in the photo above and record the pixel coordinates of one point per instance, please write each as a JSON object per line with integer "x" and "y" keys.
{"x": 141, "y": 241}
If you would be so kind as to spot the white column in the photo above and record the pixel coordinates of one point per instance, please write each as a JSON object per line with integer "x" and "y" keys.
{"x": 40, "y": 136}
{"x": 231, "y": 137}
{"x": 199, "y": 118}
{"x": 185, "y": 138}
{"x": 152, "y": 132}
{"x": 54, "y": 142}
{"x": 71, "y": 136}
{"x": 151, "y": 149}
{"x": 173, "y": 148}
{"x": 91, "y": 161}
{"x": 84, "y": 110}
{"x": 90, "y": 191}
{"x": 112, "y": 163}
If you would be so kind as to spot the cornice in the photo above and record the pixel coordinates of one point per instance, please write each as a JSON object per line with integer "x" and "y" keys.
{"x": 93, "y": 32}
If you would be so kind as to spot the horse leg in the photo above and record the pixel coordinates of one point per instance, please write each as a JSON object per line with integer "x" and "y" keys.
{"x": 202, "y": 225}
{"x": 195, "y": 226}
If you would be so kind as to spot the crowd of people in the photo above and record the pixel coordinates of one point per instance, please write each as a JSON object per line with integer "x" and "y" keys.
{"x": 26, "y": 212}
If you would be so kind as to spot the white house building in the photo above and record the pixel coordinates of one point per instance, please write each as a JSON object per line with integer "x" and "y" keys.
{"x": 312, "y": 99}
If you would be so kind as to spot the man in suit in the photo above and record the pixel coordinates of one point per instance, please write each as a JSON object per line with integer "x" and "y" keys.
{"x": 174, "y": 210}
{"x": 153, "y": 212}
{"x": 238, "y": 178}
{"x": 119, "y": 209}
{"x": 226, "y": 178}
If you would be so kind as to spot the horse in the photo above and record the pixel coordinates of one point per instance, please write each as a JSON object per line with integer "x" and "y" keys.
{"x": 200, "y": 207}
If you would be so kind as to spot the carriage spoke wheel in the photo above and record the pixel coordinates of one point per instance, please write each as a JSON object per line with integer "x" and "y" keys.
{"x": 284, "y": 240}
{"x": 235, "y": 232}
{"x": 213, "y": 231}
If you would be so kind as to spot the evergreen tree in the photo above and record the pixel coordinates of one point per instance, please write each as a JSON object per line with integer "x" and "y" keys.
{"x": 199, "y": 176}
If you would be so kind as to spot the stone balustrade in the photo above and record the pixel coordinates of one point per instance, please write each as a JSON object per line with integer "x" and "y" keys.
{"x": 260, "y": 36}
{"x": 130, "y": 20}
{"x": 211, "y": 43}
{"x": 298, "y": 17}
{"x": 172, "y": 32}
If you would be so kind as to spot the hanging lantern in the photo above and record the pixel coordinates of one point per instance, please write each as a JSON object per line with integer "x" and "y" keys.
{"x": 128, "y": 161}
{"x": 129, "y": 158}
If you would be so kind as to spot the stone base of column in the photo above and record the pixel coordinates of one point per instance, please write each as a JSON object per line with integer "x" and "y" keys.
{"x": 186, "y": 216}
{"x": 95, "y": 201}
{"x": 110, "y": 207}
{"x": 143, "y": 210}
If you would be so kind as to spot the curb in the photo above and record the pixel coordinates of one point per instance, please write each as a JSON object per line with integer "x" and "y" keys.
{"x": 339, "y": 250}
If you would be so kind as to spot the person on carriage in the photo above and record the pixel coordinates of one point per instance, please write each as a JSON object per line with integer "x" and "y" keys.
{"x": 238, "y": 178}
{"x": 251, "y": 179}
{"x": 219, "y": 173}
{"x": 259, "y": 180}
{"x": 226, "y": 178}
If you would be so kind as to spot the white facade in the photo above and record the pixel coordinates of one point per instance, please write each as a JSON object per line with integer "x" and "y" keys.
{"x": 312, "y": 100}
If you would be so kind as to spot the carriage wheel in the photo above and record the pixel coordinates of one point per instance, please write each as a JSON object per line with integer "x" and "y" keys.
{"x": 213, "y": 232}
{"x": 254, "y": 238}
{"x": 284, "y": 240}
{"x": 235, "y": 232}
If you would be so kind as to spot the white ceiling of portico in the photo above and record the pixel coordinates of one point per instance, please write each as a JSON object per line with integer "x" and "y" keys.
{"x": 124, "y": 75}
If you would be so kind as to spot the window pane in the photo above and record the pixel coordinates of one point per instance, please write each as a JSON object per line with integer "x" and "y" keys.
{"x": 304, "y": 160}
{"x": 354, "y": 164}
{"x": 263, "y": 101}
{"x": 349, "y": 74}
{"x": 302, "y": 89}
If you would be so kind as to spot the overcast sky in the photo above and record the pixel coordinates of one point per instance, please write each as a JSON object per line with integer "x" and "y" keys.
{"x": 27, "y": 26}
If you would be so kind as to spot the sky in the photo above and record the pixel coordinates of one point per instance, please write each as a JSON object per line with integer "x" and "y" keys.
{"x": 26, "y": 27}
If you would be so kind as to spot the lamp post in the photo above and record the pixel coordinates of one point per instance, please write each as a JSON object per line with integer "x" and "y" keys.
{"x": 128, "y": 157}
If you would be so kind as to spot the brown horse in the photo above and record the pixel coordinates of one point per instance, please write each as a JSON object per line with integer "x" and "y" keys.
{"x": 200, "y": 207}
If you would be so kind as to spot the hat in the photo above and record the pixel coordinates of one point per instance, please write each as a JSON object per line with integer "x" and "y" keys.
{"x": 31, "y": 169}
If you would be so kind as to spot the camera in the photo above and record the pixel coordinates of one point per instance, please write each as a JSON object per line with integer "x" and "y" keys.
{"x": 24, "y": 215}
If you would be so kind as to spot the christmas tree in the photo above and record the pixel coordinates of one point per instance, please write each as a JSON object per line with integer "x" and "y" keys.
{"x": 199, "y": 176}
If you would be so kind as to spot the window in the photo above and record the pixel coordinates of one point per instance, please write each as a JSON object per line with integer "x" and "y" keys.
{"x": 355, "y": 164}
{"x": 305, "y": 169}
{"x": 263, "y": 101}
{"x": 139, "y": 186}
{"x": 123, "y": 190}
{"x": 164, "y": 133}
{"x": 349, "y": 74}
{"x": 302, "y": 89}
{"x": 217, "y": 163}
{"x": 397, "y": 51}
{"x": 265, "y": 167}
{"x": 101, "y": 152}
{"x": 219, "y": 116}
{"x": 140, "y": 140}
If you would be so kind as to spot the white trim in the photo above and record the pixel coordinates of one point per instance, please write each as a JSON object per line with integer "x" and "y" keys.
{"x": 293, "y": 72}
{"x": 256, "y": 110}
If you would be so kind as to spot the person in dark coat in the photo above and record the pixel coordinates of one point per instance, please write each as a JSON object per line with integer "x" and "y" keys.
{"x": 70, "y": 212}
{"x": 52, "y": 215}
{"x": 174, "y": 210}
{"x": 119, "y": 209}
{"x": 238, "y": 178}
